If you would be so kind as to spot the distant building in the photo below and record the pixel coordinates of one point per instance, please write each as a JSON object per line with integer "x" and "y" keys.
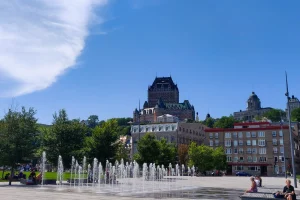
{"x": 253, "y": 109}
{"x": 173, "y": 132}
{"x": 258, "y": 148}
{"x": 163, "y": 98}
{"x": 167, "y": 118}
{"x": 294, "y": 103}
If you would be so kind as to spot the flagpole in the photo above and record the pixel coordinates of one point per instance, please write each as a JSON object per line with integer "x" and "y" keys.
{"x": 283, "y": 147}
{"x": 290, "y": 129}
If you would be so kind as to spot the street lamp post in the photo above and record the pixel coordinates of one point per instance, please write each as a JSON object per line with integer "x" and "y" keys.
{"x": 290, "y": 130}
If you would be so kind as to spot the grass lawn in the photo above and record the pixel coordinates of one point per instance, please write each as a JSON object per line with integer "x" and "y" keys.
{"x": 48, "y": 175}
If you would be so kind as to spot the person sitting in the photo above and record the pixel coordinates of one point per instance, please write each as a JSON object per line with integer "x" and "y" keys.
{"x": 258, "y": 181}
{"x": 32, "y": 176}
{"x": 7, "y": 176}
{"x": 288, "y": 192}
{"x": 20, "y": 175}
{"x": 253, "y": 188}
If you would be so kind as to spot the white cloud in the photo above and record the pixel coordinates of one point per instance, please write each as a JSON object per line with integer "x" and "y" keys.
{"x": 40, "y": 40}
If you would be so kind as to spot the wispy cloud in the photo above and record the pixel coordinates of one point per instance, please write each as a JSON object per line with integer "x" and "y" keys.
{"x": 40, "y": 40}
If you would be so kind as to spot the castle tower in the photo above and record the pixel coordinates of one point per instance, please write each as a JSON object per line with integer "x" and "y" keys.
{"x": 164, "y": 88}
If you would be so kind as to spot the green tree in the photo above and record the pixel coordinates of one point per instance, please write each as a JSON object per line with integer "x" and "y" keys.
{"x": 93, "y": 121}
{"x": 275, "y": 115}
{"x": 103, "y": 144}
{"x": 148, "y": 149}
{"x": 209, "y": 122}
{"x": 183, "y": 150}
{"x": 123, "y": 151}
{"x": 65, "y": 137}
{"x": 225, "y": 122}
{"x": 18, "y": 137}
{"x": 295, "y": 115}
{"x": 167, "y": 153}
{"x": 219, "y": 159}
{"x": 201, "y": 157}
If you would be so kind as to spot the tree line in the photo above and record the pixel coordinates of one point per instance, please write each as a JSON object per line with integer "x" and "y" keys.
{"x": 204, "y": 158}
{"x": 22, "y": 139}
{"x": 275, "y": 115}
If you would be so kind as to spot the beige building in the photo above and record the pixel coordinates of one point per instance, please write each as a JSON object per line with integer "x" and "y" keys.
{"x": 258, "y": 148}
{"x": 253, "y": 109}
{"x": 173, "y": 132}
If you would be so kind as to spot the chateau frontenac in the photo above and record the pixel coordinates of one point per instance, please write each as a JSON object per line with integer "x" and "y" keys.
{"x": 163, "y": 98}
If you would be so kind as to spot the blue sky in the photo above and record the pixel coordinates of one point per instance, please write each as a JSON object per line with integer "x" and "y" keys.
{"x": 218, "y": 52}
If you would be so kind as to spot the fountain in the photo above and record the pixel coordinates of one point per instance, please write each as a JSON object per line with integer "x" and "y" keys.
{"x": 60, "y": 171}
{"x": 72, "y": 166}
{"x": 43, "y": 167}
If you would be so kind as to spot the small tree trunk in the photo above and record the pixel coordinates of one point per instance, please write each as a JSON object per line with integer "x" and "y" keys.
{"x": 12, "y": 172}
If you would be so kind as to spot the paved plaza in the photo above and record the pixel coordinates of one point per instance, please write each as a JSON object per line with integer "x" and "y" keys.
{"x": 183, "y": 188}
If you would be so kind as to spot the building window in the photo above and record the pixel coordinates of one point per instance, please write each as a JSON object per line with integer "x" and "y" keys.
{"x": 262, "y": 151}
{"x": 249, "y": 158}
{"x": 235, "y": 143}
{"x": 253, "y": 142}
{"x": 281, "y": 150}
{"x": 167, "y": 128}
{"x": 216, "y": 142}
{"x": 241, "y": 159}
{"x": 248, "y": 142}
{"x": 216, "y": 135}
{"x": 227, "y": 143}
{"x": 249, "y": 151}
{"x": 262, "y": 159}
{"x": 253, "y": 134}
{"x": 240, "y": 134}
{"x": 228, "y": 158}
{"x": 228, "y": 151}
{"x": 235, "y": 159}
{"x": 254, "y": 151}
{"x": 282, "y": 168}
{"x": 241, "y": 142}
{"x": 211, "y": 143}
{"x": 281, "y": 141}
{"x": 261, "y": 134}
{"x": 173, "y": 128}
{"x": 280, "y": 133}
{"x": 274, "y": 133}
{"x": 248, "y": 134}
{"x": 227, "y": 135}
{"x": 234, "y": 135}
{"x": 275, "y": 150}
{"x": 238, "y": 168}
{"x": 235, "y": 150}
{"x": 160, "y": 128}
{"x": 261, "y": 142}
{"x": 281, "y": 158}
{"x": 241, "y": 151}
{"x": 254, "y": 159}
{"x": 274, "y": 141}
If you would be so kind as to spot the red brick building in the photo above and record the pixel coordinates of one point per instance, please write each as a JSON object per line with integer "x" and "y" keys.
{"x": 259, "y": 148}
{"x": 163, "y": 98}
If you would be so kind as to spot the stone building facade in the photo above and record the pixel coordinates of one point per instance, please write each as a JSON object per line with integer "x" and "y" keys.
{"x": 253, "y": 109}
{"x": 294, "y": 103}
{"x": 163, "y": 98}
{"x": 258, "y": 148}
{"x": 173, "y": 132}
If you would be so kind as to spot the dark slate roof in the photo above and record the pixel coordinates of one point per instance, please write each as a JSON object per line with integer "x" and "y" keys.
{"x": 164, "y": 80}
{"x": 180, "y": 106}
